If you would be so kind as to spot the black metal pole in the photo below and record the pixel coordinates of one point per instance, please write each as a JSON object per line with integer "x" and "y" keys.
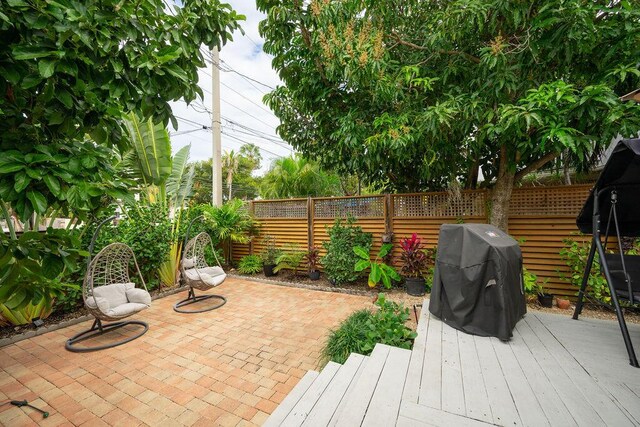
{"x": 623, "y": 325}
{"x": 585, "y": 280}
{"x": 95, "y": 237}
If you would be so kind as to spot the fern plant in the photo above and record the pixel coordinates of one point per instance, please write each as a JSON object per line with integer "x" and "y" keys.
{"x": 250, "y": 264}
{"x": 290, "y": 259}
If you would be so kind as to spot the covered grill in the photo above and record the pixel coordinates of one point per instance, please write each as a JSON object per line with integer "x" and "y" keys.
{"x": 477, "y": 284}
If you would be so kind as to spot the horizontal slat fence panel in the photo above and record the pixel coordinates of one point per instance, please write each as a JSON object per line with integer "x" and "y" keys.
{"x": 541, "y": 217}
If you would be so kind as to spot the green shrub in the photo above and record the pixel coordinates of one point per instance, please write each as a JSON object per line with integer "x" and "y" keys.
{"x": 340, "y": 260}
{"x": 531, "y": 285}
{"x": 147, "y": 230}
{"x": 361, "y": 331}
{"x": 575, "y": 254}
{"x": 270, "y": 253}
{"x": 290, "y": 259}
{"x": 250, "y": 264}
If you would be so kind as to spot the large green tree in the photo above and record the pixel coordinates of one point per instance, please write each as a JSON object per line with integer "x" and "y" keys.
{"x": 69, "y": 68}
{"x": 420, "y": 93}
{"x": 68, "y": 71}
{"x": 242, "y": 185}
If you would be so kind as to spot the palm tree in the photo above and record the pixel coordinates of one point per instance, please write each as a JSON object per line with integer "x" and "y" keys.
{"x": 297, "y": 176}
{"x": 230, "y": 161}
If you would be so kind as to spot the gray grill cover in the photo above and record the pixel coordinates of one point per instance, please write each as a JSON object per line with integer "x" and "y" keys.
{"x": 477, "y": 283}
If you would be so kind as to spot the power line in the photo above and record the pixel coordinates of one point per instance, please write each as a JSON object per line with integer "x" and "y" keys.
{"x": 246, "y": 143}
{"x": 248, "y": 99}
{"x": 230, "y": 69}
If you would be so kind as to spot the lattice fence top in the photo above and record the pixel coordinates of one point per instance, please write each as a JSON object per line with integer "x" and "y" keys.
{"x": 471, "y": 203}
{"x": 280, "y": 209}
{"x": 358, "y": 207}
{"x": 548, "y": 201}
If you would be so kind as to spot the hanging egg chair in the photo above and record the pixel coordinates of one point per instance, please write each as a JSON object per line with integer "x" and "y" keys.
{"x": 110, "y": 295}
{"x": 196, "y": 273}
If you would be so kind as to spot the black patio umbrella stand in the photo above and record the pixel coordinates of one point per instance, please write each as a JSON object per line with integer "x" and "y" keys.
{"x": 613, "y": 206}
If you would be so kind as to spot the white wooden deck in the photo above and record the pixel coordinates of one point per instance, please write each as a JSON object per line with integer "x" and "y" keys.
{"x": 555, "y": 371}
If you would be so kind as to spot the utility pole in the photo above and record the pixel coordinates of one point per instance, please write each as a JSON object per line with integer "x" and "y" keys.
{"x": 216, "y": 164}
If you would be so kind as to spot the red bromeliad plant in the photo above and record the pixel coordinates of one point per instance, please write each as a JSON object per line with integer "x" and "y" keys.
{"x": 414, "y": 259}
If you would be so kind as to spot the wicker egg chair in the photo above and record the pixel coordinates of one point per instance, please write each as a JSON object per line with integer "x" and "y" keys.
{"x": 110, "y": 295}
{"x": 197, "y": 274}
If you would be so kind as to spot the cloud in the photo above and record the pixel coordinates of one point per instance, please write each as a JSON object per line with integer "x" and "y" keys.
{"x": 242, "y": 109}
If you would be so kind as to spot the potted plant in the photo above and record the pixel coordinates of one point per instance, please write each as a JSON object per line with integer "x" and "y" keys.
{"x": 289, "y": 259}
{"x": 313, "y": 259}
{"x": 269, "y": 256}
{"x": 414, "y": 262}
{"x": 545, "y": 299}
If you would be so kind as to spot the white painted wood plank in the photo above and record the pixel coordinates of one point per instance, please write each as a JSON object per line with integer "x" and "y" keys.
{"x": 324, "y": 409}
{"x": 414, "y": 375}
{"x": 357, "y": 400}
{"x": 475, "y": 393}
{"x": 625, "y": 399}
{"x": 281, "y": 412}
{"x": 452, "y": 389}
{"x": 436, "y": 417}
{"x": 348, "y": 393}
{"x": 300, "y": 411}
{"x": 502, "y": 405}
{"x": 597, "y": 397}
{"x": 551, "y": 403}
{"x": 571, "y": 397}
{"x": 410, "y": 422}
{"x": 385, "y": 402}
{"x": 526, "y": 401}
{"x": 431, "y": 382}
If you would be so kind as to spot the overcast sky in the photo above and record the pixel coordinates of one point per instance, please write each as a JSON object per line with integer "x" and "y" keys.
{"x": 244, "y": 116}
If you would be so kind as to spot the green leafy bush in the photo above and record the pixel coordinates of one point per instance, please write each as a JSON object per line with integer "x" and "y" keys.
{"x": 378, "y": 270}
{"x": 531, "y": 285}
{"x": 250, "y": 264}
{"x": 361, "y": 331}
{"x": 575, "y": 254}
{"x": 147, "y": 230}
{"x": 340, "y": 260}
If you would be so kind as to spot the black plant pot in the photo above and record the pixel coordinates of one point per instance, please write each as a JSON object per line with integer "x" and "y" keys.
{"x": 415, "y": 286}
{"x": 546, "y": 300}
{"x": 268, "y": 270}
{"x": 314, "y": 275}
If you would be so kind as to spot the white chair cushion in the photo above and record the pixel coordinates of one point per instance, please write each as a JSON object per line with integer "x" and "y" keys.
{"x": 189, "y": 263}
{"x": 212, "y": 271}
{"x": 115, "y": 294}
{"x": 139, "y": 296}
{"x": 126, "y": 309}
{"x": 213, "y": 280}
{"x": 100, "y": 303}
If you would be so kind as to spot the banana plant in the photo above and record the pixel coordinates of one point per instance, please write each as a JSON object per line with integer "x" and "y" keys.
{"x": 378, "y": 270}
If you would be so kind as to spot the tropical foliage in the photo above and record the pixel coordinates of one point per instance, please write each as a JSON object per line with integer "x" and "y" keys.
{"x": 340, "y": 261}
{"x": 361, "y": 331}
{"x": 413, "y": 257}
{"x": 250, "y": 264}
{"x": 378, "y": 270}
{"x": 290, "y": 259}
{"x": 416, "y": 94}
{"x": 271, "y": 252}
{"x": 230, "y": 223}
{"x": 297, "y": 176}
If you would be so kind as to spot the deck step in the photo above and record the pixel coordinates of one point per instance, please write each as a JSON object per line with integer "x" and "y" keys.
{"x": 285, "y": 407}
{"x": 305, "y": 404}
{"x": 412, "y": 385}
{"x": 385, "y": 402}
{"x": 326, "y": 406}
{"x": 357, "y": 399}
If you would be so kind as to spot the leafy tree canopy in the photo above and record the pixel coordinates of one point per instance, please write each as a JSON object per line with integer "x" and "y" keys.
{"x": 417, "y": 94}
{"x": 70, "y": 68}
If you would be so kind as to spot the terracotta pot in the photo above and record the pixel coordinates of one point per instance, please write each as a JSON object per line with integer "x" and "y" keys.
{"x": 563, "y": 304}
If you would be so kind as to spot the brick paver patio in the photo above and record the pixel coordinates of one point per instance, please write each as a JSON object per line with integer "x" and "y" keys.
{"x": 231, "y": 366}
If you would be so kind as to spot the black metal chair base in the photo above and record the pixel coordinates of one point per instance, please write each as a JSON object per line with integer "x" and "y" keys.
{"x": 99, "y": 329}
{"x": 192, "y": 299}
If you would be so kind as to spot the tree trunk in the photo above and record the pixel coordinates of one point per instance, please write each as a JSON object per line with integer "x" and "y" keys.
{"x": 501, "y": 194}
{"x": 567, "y": 171}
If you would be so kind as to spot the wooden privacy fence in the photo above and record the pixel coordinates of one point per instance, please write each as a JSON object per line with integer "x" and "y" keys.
{"x": 540, "y": 218}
